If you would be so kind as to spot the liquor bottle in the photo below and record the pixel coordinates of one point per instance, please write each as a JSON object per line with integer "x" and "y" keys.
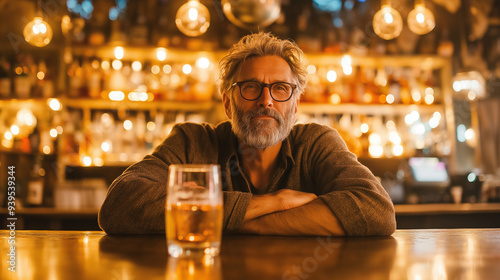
{"x": 152, "y": 80}
{"x": 5, "y": 81}
{"x": 159, "y": 31}
{"x": 370, "y": 86}
{"x": 280, "y": 27}
{"x": 45, "y": 81}
{"x": 331, "y": 42}
{"x": 98, "y": 26}
{"x": 229, "y": 36}
{"x": 34, "y": 141}
{"x": 35, "y": 187}
{"x": 118, "y": 35}
{"x": 382, "y": 82}
{"x": 307, "y": 42}
{"x": 445, "y": 46}
{"x": 116, "y": 80}
{"x": 49, "y": 87}
{"x": 394, "y": 83}
{"x": 404, "y": 83}
{"x": 358, "y": 87}
{"x": 136, "y": 79}
{"x": 76, "y": 79}
{"x": 94, "y": 79}
{"x": 138, "y": 33}
{"x": 22, "y": 80}
{"x": 428, "y": 43}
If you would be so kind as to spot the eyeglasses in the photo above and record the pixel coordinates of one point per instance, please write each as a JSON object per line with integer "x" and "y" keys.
{"x": 251, "y": 90}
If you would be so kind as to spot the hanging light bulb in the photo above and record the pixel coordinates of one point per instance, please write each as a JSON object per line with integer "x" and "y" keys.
{"x": 192, "y": 18}
{"x": 420, "y": 19}
{"x": 38, "y": 32}
{"x": 387, "y": 22}
{"x": 251, "y": 14}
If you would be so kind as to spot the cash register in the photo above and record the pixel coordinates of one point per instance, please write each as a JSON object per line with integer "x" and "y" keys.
{"x": 427, "y": 180}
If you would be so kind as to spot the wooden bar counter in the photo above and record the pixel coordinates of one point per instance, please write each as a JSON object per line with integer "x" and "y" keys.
{"x": 408, "y": 216}
{"x": 408, "y": 254}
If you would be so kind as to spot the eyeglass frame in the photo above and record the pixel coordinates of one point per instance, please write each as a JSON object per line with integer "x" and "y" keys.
{"x": 264, "y": 85}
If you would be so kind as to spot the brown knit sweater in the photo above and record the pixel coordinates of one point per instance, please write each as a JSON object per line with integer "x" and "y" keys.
{"x": 314, "y": 158}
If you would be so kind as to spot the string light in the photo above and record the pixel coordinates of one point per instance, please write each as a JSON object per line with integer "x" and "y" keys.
{"x": 38, "y": 32}
{"x": 387, "y": 22}
{"x": 420, "y": 19}
{"x": 192, "y": 18}
{"x": 252, "y": 14}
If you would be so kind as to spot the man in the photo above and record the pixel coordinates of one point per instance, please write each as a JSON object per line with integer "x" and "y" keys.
{"x": 278, "y": 178}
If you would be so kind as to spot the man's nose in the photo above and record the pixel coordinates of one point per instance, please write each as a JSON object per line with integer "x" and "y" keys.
{"x": 265, "y": 99}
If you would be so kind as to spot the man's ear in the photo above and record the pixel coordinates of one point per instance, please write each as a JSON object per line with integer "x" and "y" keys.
{"x": 227, "y": 105}
{"x": 297, "y": 102}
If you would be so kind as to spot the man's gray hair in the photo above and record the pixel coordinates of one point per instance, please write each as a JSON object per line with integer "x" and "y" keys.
{"x": 258, "y": 45}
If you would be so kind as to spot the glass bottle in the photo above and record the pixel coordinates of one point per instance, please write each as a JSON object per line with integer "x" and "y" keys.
{"x": 5, "y": 81}
{"x": 35, "y": 190}
{"x": 138, "y": 33}
{"x": 94, "y": 79}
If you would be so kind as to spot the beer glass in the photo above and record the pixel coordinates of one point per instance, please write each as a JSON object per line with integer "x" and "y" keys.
{"x": 194, "y": 210}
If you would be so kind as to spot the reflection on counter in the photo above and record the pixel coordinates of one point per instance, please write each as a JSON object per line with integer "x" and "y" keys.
{"x": 207, "y": 268}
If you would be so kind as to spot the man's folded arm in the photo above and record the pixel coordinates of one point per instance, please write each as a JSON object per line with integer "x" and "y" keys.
{"x": 313, "y": 218}
{"x": 241, "y": 207}
{"x": 357, "y": 212}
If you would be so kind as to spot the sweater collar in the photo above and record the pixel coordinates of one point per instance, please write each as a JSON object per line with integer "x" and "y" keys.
{"x": 230, "y": 147}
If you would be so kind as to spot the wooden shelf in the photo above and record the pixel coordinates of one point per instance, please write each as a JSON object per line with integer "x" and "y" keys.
{"x": 304, "y": 107}
{"x": 420, "y": 61}
{"x": 33, "y": 104}
{"x": 370, "y": 109}
{"x": 101, "y": 104}
{"x": 145, "y": 53}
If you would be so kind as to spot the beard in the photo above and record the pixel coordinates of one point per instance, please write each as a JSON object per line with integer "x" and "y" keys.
{"x": 261, "y": 133}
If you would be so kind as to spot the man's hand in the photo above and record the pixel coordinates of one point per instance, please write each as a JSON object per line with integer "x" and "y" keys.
{"x": 290, "y": 199}
{"x": 281, "y": 200}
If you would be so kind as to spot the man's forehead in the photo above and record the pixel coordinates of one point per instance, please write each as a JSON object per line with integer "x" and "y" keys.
{"x": 254, "y": 67}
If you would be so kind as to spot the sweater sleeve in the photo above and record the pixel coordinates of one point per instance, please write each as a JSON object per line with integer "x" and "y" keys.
{"x": 135, "y": 202}
{"x": 235, "y": 207}
{"x": 349, "y": 189}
